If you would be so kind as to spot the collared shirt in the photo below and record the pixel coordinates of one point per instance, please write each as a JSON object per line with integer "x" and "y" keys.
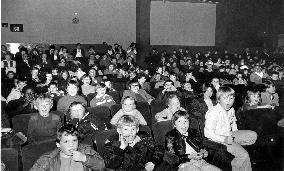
{"x": 219, "y": 123}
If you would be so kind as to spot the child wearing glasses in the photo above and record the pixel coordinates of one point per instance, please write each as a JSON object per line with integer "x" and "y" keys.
{"x": 221, "y": 127}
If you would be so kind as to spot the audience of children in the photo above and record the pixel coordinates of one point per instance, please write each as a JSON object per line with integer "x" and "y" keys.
{"x": 179, "y": 77}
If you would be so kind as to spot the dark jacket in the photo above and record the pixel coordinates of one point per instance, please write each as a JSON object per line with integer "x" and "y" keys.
{"x": 132, "y": 158}
{"x": 175, "y": 144}
{"x": 51, "y": 160}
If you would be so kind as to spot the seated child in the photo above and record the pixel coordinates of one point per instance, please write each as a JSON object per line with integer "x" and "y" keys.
{"x": 173, "y": 104}
{"x": 43, "y": 125}
{"x": 128, "y": 108}
{"x": 72, "y": 96}
{"x": 69, "y": 154}
{"x": 269, "y": 96}
{"x": 131, "y": 149}
{"x": 53, "y": 90}
{"x": 87, "y": 88}
{"x": 182, "y": 142}
{"x": 16, "y": 92}
{"x": 101, "y": 98}
{"x": 252, "y": 101}
{"x": 81, "y": 119}
{"x": 221, "y": 127}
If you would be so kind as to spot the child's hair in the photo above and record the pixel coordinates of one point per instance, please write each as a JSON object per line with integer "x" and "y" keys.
{"x": 73, "y": 82}
{"x": 205, "y": 86}
{"x": 170, "y": 97}
{"x": 179, "y": 114}
{"x": 67, "y": 129}
{"x": 224, "y": 90}
{"x": 101, "y": 85}
{"x": 127, "y": 120}
{"x": 52, "y": 83}
{"x": 42, "y": 98}
{"x": 268, "y": 84}
{"x": 127, "y": 97}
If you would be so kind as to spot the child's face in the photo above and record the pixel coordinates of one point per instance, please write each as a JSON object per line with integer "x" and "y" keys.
{"x": 254, "y": 99}
{"x": 174, "y": 104}
{"x": 208, "y": 92}
{"x": 182, "y": 125}
{"x": 187, "y": 86}
{"x": 68, "y": 143}
{"x": 226, "y": 101}
{"x": 54, "y": 72}
{"x": 271, "y": 89}
{"x": 10, "y": 75}
{"x": 21, "y": 85}
{"x": 44, "y": 108}
{"x": 64, "y": 75}
{"x": 101, "y": 91}
{"x": 52, "y": 88}
{"x": 128, "y": 105}
{"x": 48, "y": 77}
{"x": 86, "y": 81}
{"x": 134, "y": 87}
{"x": 77, "y": 112}
{"x": 128, "y": 132}
{"x": 72, "y": 90}
{"x": 173, "y": 77}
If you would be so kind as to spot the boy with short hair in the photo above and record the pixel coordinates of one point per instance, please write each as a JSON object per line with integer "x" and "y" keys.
{"x": 221, "y": 127}
{"x": 132, "y": 149}
{"x": 72, "y": 96}
{"x": 70, "y": 155}
{"x": 43, "y": 125}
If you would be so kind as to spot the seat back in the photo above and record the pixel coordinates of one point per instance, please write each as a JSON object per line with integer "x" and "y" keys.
{"x": 100, "y": 116}
{"x": 90, "y": 97}
{"x": 115, "y": 96}
{"x": 160, "y": 129}
{"x": 101, "y": 139}
{"x": 156, "y": 107}
{"x": 10, "y": 157}
{"x": 31, "y": 152}
{"x": 20, "y": 122}
{"x": 144, "y": 109}
{"x": 114, "y": 109}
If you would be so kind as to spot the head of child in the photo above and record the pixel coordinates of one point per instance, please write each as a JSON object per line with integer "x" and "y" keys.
{"x": 101, "y": 90}
{"x": 67, "y": 140}
{"x": 180, "y": 121}
{"x": 86, "y": 80}
{"x": 10, "y": 75}
{"x": 64, "y": 74}
{"x": 141, "y": 79}
{"x": 54, "y": 71}
{"x": 173, "y": 103}
{"x": 128, "y": 127}
{"x": 128, "y": 104}
{"x": 216, "y": 83}
{"x": 34, "y": 72}
{"x": 207, "y": 90}
{"x": 20, "y": 84}
{"x": 134, "y": 85}
{"x": 173, "y": 77}
{"x": 52, "y": 87}
{"x": 48, "y": 77}
{"x": 226, "y": 97}
{"x": 43, "y": 104}
{"x": 269, "y": 87}
{"x": 76, "y": 110}
{"x": 187, "y": 86}
{"x": 72, "y": 88}
{"x": 252, "y": 97}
